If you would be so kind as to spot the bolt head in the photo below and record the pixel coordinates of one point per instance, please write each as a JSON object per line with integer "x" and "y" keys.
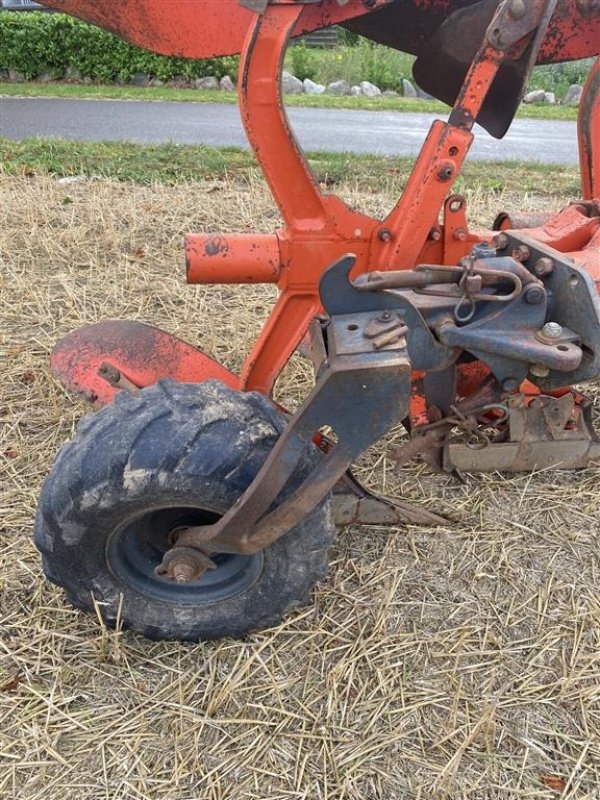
{"x": 534, "y": 295}
{"x": 516, "y": 9}
{"x": 500, "y": 241}
{"x": 539, "y": 370}
{"x": 544, "y": 266}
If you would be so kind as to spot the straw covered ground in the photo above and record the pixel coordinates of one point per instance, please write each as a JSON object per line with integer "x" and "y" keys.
{"x": 458, "y": 662}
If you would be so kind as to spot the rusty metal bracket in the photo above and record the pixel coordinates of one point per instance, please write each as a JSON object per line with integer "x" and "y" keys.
{"x": 357, "y": 373}
{"x": 575, "y": 306}
{"x": 353, "y": 504}
{"x": 544, "y": 432}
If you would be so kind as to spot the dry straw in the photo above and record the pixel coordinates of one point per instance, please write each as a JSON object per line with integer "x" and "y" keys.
{"x": 452, "y": 663}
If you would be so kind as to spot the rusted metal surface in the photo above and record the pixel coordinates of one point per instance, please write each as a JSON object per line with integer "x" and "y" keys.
{"x": 378, "y": 380}
{"x": 543, "y": 432}
{"x": 409, "y": 25}
{"x": 474, "y": 329}
{"x": 588, "y": 130}
{"x": 353, "y": 504}
{"x": 430, "y": 440}
{"x": 514, "y": 220}
{"x": 199, "y": 28}
{"x": 512, "y": 29}
{"x": 135, "y": 355}
{"x": 116, "y": 379}
{"x": 575, "y": 307}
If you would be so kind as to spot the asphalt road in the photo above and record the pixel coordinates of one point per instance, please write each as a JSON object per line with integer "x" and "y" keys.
{"x": 376, "y": 132}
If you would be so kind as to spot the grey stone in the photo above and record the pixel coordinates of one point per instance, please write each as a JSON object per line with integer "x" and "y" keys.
{"x": 72, "y": 179}
{"x": 87, "y": 80}
{"x": 210, "y": 82}
{"x": 573, "y": 95}
{"x": 45, "y": 77}
{"x": 369, "y": 89}
{"x": 15, "y": 75}
{"x": 310, "y": 87}
{"x": 139, "y": 79}
{"x": 156, "y": 82}
{"x": 226, "y": 84}
{"x": 290, "y": 84}
{"x": 408, "y": 90}
{"x": 355, "y": 91}
{"x": 390, "y": 93}
{"x": 422, "y": 94}
{"x": 178, "y": 82}
{"x": 72, "y": 74}
{"x": 536, "y": 96}
{"x": 550, "y": 99}
{"x": 3, "y": 74}
{"x": 339, "y": 87}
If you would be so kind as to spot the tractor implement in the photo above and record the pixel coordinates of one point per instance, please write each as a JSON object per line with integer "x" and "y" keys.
{"x": 190, "y": 505}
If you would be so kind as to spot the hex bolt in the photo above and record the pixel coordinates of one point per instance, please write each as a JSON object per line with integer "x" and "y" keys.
{"x": 516, "y": 9}
{"x": 521, "y": 253}
{"x": 544, "y": 266}
{"x": 500, "y": 241}
{"x": 435, "y": 234}
{"x": 539, "y": 370}
{"x": 183, "y": 573}
{"x": 460, "y": 235}
{"x": 534, "y": 295}
{"x": 552, "y": 331}
{"x": 385, "y": 235}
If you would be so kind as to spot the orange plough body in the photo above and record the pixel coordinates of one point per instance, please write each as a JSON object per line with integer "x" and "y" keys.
{"x": 427, "y": 225}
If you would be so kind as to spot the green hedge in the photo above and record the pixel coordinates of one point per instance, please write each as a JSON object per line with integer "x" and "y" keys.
{"x": 35, "y": 43}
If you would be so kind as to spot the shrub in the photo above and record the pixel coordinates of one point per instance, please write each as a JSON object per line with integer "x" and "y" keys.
{"x": 35, "y": 43}
{"x": 303, "y": 61}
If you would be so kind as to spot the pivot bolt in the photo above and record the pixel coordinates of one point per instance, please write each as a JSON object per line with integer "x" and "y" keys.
{"x": 539, "y": 370}
{"x": 552, "y": 331}
{"x": 500, "y": 241}
{"x": 446, "y": 171}
{"x": 534, "y": 295}
{"x": 516, "y": 9}
{"x": 544, "y": 266}
{"x": 521, "y": 253}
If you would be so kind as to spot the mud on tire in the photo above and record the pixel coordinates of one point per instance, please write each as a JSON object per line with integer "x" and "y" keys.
{"x": 177, "y": 454}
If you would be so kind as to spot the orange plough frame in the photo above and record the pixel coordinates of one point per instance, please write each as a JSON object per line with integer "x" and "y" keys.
{"x": 427, "y": 225}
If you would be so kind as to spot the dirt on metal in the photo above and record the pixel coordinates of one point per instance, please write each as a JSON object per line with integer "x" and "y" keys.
{"x": 460, "y": 663}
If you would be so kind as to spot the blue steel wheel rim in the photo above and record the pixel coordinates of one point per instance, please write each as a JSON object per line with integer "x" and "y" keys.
{"x": 137, "y": 547}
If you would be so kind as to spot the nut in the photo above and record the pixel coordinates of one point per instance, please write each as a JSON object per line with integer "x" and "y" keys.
{"x": 552, "y": 331}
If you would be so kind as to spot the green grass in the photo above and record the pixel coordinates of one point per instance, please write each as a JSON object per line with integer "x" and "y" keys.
{"x": 172, "y": 164}
{"x": 151, "y": 93}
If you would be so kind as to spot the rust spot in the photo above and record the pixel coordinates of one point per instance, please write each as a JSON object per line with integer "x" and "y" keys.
{"x": 215, "y": 246}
